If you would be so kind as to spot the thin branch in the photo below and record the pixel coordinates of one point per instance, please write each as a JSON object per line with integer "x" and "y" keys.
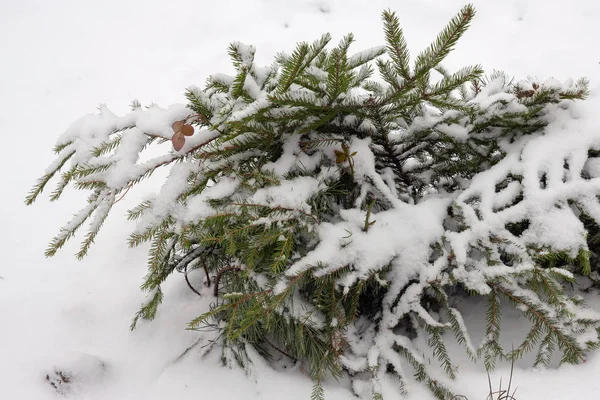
{"x": 541, "y": 317}
{"x": 280, "y": 350}
{"x": 185, "y": 275}
{"x": 230, "y": 268}
{"x": 205, "y": 271}
{"x": 123, "y": 195}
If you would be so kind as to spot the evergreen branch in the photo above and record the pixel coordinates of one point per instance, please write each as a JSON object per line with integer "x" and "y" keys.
{"x": 193, "y": 324}
{"x": 325, "y": 142}
{"x": 135, "y": 105}
{"x": 583, "y": 260}
{"x": 364, "y": 57}
{"x": 317, "y": 393}
{"x": 389, "y": 76}
{"x": 530, "y": 340}
{"x": 277, "y": 209}
{"x": 457, "y": 323}
{"x": 300, "y": 59}
{"x": 200, "y": 103}
{"x": 90, "y": 184}
{"x": 66, "y": 178}
{"x": 148, "y": 310}
{"x": 364, "y": 73}
{"x": 581, "y": 91}
{"x": 460, "y": 331}
{"x": 220, "y": 274}
{"x": 491, "y": 344}
{"x": 549, "y": 287}
{"x": 436, "y": 342}
{"x": 297, "y": 98}
{"x": 99, "y": 217}
{"x": 220, "y": 83}
{"x": 550, "y": 326}
{"x": 160, "y": 250}
{"x": 135, "y": 238}
{"x": 282, "y": 253}
{"x": 41, "y": 183}
{"x": 396, "y": 44}
{"x": 243, "y": 63}
{"x": 60, "y": 147}
{"x": 546, "y": 348}
{"x": 241, "y": 55}
{"x": 293, "y": 282}
{"x": 88, "y": 169}
{"x": 422, "y": 375}
{"x": 383, "y": 139}
{"x": 338, "y": 74}
{"x": 444, "y": 43}
{"x": 69, "y": 230}
{"x": 107, "y": 147}
{"x": 452, "y": 82}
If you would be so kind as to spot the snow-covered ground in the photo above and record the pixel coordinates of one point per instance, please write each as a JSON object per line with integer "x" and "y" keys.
{"x": 60, "y": 59}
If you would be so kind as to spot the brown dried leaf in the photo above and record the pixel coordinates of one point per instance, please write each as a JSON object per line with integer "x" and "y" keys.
{"x": 187, "y": 130}
{"x": 177, "y": 125}
{"x": 178, "y": 141}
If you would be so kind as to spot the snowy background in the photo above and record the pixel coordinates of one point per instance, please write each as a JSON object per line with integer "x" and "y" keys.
{"x": 60, "y": 59}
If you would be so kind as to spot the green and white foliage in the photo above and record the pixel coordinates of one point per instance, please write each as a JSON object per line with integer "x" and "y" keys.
{"x": 340, "y": 203}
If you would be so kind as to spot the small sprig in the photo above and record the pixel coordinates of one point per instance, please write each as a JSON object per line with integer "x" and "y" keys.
{"x": 368, "y": 222}
{"x": 345, "y": 155}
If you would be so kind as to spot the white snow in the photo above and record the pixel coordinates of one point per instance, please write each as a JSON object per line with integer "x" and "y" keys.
{"x": 301, "y": 188}
{"x": 61, "y": 59}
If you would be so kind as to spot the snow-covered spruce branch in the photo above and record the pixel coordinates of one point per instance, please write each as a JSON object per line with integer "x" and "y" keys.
{"x": 343, "y": 203}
